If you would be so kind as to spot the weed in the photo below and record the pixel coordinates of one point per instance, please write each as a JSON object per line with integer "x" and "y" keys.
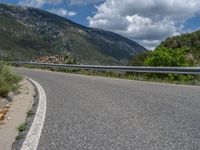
{"x": 30, "y": 113}
{"x": 8, "y": 80}
{"x": 19, "y": 137}
{"x": 22, "y": 127}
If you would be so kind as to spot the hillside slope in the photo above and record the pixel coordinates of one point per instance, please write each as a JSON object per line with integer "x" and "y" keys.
{"x": 27, "y": 33}
{"x": 190, "y": 41}
{"x": 185, "y": 45}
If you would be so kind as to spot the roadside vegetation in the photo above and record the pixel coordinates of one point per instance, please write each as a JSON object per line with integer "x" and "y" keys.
{"x": 178, "y": 51}
{"x": 8, "y": 80}
{"x": 152, "y": 77}
{"x": 168, "y": 57}
{"x": 30, "y": 113}
{"x": 22, "y": 127}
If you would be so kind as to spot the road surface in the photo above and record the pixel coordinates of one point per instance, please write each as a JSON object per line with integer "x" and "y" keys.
{"x": 103, "y": 114}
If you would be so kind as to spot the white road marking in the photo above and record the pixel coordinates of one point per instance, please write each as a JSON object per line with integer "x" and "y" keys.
{"x": 32, "y": 139}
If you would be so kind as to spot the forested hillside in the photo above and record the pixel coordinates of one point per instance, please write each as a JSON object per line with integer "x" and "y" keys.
{"x": 182, "y": 50}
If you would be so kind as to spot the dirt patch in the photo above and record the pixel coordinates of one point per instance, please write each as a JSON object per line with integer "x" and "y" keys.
{"x": 4, "y": 114}
{"x": 15, "y": 114}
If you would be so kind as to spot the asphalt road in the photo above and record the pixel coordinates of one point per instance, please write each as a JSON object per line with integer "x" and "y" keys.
{"x": 104, "y": 114}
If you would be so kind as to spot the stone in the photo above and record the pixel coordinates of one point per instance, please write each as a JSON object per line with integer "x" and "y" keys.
{"x": 8, "y": 106}
{"x": 2, "y": 116}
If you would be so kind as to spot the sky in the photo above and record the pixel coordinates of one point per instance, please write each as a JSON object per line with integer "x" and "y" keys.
{"x": 146, "y": 21}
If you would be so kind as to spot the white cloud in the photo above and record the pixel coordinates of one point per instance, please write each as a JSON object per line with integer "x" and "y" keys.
{"x": 38, "y": 3}
{"x": 63, "y": 12}
{"x": 146, "y": 21}
{"x": 72, "y": 13}
{"x": 84, "y": 2}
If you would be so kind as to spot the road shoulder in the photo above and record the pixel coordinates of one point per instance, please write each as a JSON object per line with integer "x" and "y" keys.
{"x": 21, "y": 104}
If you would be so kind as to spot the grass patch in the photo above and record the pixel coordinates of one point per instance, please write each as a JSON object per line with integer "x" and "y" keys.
{"x": 30, "y": 113}
{"x": 8, "y": 80}
{"x": 19, "y": 137}
{"x": 22, "y": 127}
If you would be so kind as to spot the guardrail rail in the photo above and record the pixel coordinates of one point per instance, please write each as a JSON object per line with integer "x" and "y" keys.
{"x": 138, "y": 69}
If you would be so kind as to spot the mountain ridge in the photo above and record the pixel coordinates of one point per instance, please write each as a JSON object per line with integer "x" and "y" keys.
{"x": 27, "y": 32}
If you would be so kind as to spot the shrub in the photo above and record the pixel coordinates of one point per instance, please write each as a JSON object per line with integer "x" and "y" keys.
{"x": 8, "y": 80}
{"x": 168, "y": 57}
{"x": 171, "y": 58}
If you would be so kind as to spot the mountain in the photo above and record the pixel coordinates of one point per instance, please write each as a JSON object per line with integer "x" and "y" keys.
{"x": 27, "y": 33}
{"x": 188, "y": 40}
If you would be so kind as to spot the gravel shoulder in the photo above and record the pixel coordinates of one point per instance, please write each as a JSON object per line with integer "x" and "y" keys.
{"x": 21, "y": 104}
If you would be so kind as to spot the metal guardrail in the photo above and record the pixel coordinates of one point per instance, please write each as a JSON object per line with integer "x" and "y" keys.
{"x": 165, "y": 70}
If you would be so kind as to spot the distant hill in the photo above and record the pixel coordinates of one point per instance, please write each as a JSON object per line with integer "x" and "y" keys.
{"x": 27, "y": 33}
{"x": 189, "y": 40}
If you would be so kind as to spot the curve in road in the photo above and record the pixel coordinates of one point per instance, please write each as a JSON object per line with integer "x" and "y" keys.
{"x": 32, "y": 139}
{"x": 101, "y": 113}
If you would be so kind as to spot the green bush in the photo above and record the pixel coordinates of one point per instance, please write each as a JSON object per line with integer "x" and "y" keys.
{"x": 8, "y": 80}
{"x": 168, "y": 57}
{"x": 171, "y": 58}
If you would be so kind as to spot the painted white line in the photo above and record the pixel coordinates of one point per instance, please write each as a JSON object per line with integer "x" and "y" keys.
{"x": 32, "y": 139}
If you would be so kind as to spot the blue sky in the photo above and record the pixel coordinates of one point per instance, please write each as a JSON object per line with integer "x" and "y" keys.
{"x": 82, "y": 10}
{"x": 147, "y": 22}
